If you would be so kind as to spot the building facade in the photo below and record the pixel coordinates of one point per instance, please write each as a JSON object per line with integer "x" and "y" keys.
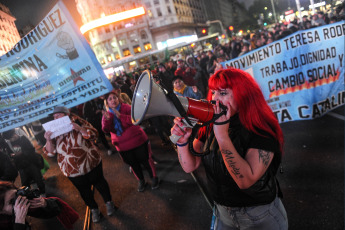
{"x": 9, "y": 35}
{"x": 162, "y": 22}
{"x": 129, "y": 35}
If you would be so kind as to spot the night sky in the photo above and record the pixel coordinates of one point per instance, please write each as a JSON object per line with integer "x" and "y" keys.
{"x": 33, "y": 11}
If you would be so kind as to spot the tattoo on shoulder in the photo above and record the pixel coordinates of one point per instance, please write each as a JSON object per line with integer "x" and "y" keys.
{"x": 265, "y": 157}
{"x": 229, "y": 158}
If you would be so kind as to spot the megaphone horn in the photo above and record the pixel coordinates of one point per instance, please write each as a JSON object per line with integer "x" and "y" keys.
{"x": 150, "y": 100}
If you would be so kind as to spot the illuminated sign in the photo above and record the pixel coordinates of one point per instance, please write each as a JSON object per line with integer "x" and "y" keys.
{"x": 288, "y": 12}
{"x": 112, "y": 18}
{"x": 175, "y": 41}
{"x": 317, "y": 5}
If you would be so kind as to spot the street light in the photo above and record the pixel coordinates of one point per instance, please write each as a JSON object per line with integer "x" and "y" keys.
{"x": 220, "y": 23}
{"x": 274, "y": 12}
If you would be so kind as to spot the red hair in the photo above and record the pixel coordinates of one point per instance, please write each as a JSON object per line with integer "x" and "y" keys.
{"x": 253, "y": 110}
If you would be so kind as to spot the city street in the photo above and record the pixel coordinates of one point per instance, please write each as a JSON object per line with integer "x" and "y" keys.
{"x": 312, "y": 183}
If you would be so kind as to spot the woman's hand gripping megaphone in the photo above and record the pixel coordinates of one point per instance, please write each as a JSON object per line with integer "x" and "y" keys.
{"x": 181, "y": 131}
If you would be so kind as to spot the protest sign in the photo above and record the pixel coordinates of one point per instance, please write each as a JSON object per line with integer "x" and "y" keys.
{"x": 301, "y": 75}
{"x": 58, "y": 126}
{"x": 52, "y": 65}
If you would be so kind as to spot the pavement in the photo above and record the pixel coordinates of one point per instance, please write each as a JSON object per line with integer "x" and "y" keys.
{"x": 312, "y": 184}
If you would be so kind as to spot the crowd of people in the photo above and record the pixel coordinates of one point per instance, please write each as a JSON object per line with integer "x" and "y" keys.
{"x": 244, "y": 147}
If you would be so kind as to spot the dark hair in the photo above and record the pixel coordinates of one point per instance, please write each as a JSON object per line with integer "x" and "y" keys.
{"x": 4, "y": 187}
{"x": 8, "y": 134}
{"x": 106, "y": 96}
{"x": 176, "y": 77}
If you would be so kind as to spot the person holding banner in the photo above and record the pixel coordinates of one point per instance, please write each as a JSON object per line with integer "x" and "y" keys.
{"x": 242, "y": 153}
{"x": 130, "y": 140}
{"x": 80, "y": 161}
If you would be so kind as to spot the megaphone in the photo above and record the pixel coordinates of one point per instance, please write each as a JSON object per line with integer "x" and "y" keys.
{"x": 151, "y": 100}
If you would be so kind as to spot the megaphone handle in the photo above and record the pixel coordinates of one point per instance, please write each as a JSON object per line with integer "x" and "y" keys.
{"x": 174, "y": 138}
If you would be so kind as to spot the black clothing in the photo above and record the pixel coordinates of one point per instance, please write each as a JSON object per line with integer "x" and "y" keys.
{"x": 137, "y": 156}
{"x": 95, "y": 118}
{"x": 7, "y": 170}
{"x": 96, "y": 178}
{"x": 27, "y": 162}
{"x": 53, "y": 209}
{"x": 223, "y": 188}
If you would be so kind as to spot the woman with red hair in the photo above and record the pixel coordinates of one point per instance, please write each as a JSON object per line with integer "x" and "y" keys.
{"x": 245, "y": 148}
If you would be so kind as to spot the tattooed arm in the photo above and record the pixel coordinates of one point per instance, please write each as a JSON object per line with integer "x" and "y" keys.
{"x": 247, "y": 171}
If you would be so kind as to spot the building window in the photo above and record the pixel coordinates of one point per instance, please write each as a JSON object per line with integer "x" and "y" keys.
{"x": 109, "y": 58}
{"x": 147, "y": 46}
{"x": 156, "y": 2}
{"x": 117, "y": 56}
{"x": 137, "y": 49}
{"x": 123, "y": 42}
{"x": 133, "y": 37}
{"x": 143, "y": 35}
{"x": 148, "y": 4}
{"x": 126, "y": 52}
{"x": 107, "y": 29}
{"x": 149, "y": 12}
{"x": 169, "y": 10}
{"x": 159, "y": 12}
{"x": 167, "y": 1}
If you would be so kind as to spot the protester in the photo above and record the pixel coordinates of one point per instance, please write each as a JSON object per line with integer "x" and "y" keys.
{"x": 187, "y": 73}
{"x": 15, "y": 208}
{"x": 27, "y": 161}
{"x": 244, "y": 152}
{"x": 80, "y": 161}
{"x": 181, "y": 89}
{"x": 130, "y": 140}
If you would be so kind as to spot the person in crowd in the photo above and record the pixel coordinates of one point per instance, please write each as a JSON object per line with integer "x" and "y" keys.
{"x": 26, "y": 160}
{"x": 38, "y": 131}
{"x": 8, "y": 171}
{"x": 130, "y": 140}
{"x": 187, "y": 73}
{"x": 125, "y": 88}
{"x": 182, "y": 89}
{"x": 133, "y": 81}
{"x": 164, "y": 76}
{"x": 200, "y": 76}
{"x": 245, "y": 49}
{"x": 212, "y": 63}
{"x": 242, "y": 153}
{"x": 80, "y": 161}
{"x": 124, "y": 97}
{"x": 14, "y": 208}
{"x": 92, "y": 112}
{"x": 171, "y": 67}
{"x": 317, "y": 21}
{"x": 303, "y": 23}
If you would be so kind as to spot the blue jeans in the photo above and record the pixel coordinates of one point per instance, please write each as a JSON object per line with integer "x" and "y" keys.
{"x": 263, "y": 217}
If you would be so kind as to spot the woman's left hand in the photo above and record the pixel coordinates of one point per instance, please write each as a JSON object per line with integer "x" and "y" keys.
{"x": 218, "y": 129}
{"x": 38, "y": 203}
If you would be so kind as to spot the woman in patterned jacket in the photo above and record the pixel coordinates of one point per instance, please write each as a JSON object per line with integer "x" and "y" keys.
{"x": 79, "y": 160}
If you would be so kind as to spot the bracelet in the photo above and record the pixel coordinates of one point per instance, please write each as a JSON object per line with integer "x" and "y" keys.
{"x": 181, "y": 145}
{"x": 221, "y": 123}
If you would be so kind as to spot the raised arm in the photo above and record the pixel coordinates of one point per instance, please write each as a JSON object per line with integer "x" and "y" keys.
{"x": 188, "y": 161}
